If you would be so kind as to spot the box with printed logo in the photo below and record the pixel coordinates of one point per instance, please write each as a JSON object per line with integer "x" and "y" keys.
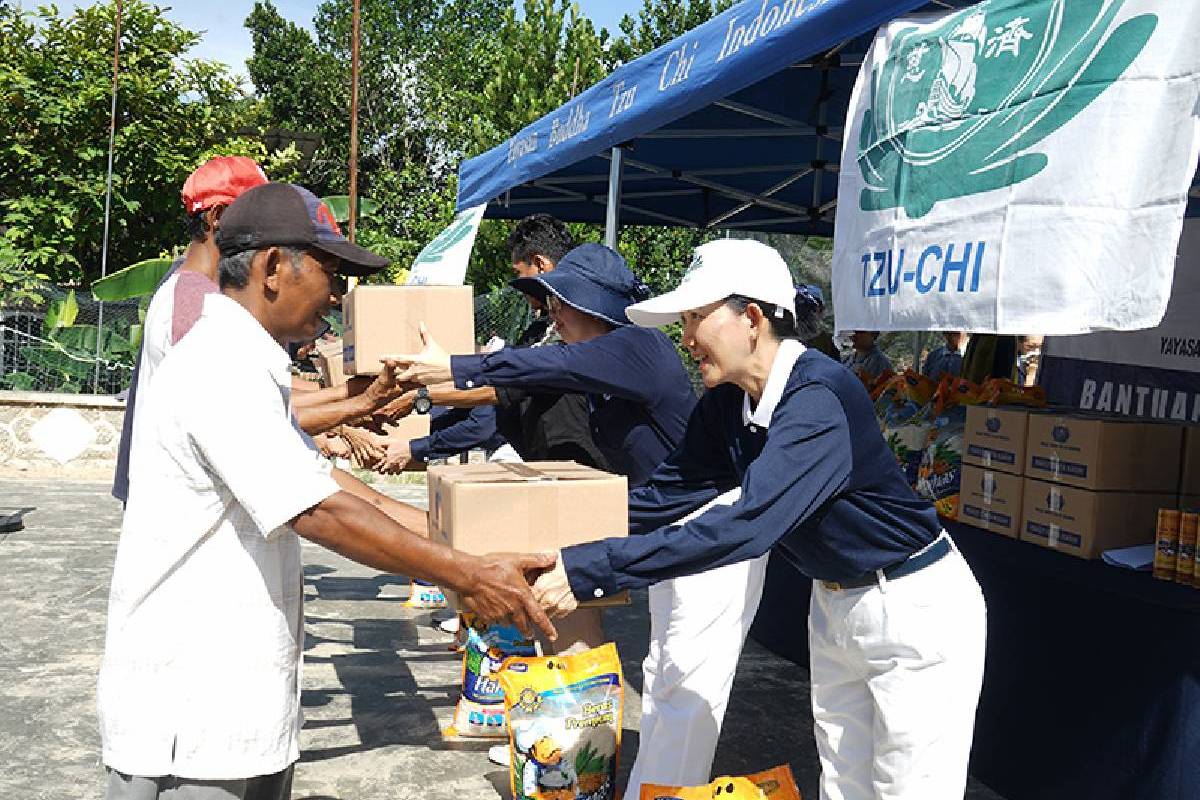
{"x": 532, "y": 507}
{"x": 991, "y": 500}
{"x": 384, "y": 321}
{"x": 994, "y": 438}
{"x": 1103, "y": 454}
{"x": 1084, "y": 523}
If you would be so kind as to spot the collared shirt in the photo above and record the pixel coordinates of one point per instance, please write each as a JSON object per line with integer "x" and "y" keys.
{"x": 873, "y": 362}
{"x": 639, "y": 392}
{"x": 173, "y": 310}
{"x": 200, "y": 676}
{"x": 942, "y": 361}
{"x": 817, "y": 479}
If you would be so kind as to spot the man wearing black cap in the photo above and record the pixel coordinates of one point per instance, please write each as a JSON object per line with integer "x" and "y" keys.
{"x": 199, "y": 687}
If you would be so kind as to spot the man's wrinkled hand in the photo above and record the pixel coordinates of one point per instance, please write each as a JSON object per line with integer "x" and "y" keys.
{"x": 496, "y": 587}
{"x": 399, "y": 408}
{"x": 553, "y": 590}
{"x": 430, "y": 366}
{"x": 363, "y": 446}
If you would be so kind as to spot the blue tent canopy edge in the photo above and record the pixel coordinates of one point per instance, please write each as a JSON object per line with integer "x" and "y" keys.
{"x": 736, "y": 124}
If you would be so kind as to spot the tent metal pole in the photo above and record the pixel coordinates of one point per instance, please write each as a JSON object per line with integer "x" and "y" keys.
{"x": 612, "y": 218}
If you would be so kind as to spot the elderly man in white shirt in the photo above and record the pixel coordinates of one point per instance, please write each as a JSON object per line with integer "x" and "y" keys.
{"x": 199, "y": 691}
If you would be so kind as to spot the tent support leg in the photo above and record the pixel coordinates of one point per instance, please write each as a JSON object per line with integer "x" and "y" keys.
{"x": 612, "y": 219}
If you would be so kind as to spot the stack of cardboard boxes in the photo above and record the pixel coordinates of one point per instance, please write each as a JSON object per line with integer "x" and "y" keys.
{"x": 1071, "y": 482}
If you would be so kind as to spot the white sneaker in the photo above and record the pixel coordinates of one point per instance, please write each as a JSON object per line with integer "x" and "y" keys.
{"x": 449, "y": 625}
{"x": 499, "y": 754}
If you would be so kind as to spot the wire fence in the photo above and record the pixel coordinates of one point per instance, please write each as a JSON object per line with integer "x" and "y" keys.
{"x": 69, "y": 343}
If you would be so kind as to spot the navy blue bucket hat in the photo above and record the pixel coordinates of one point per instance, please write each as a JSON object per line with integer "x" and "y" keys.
{"x": 591, "y": 278}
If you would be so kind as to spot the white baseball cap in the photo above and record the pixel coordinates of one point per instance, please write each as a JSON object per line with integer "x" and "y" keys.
{"x": 721, "y": 268}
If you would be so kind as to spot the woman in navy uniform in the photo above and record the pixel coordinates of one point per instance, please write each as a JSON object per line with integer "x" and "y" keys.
{"x": 638, "y": 393}
{"x": 896, "y": 622}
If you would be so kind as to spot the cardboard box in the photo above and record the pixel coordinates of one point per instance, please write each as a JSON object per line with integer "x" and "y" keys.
{"x": 524, "y": 507}
{"x": 383, "y": 321}
{"x": 1104, "y": 454}
{"x": 994, "y": 438}
{"x": 1189, "y": 476}
{"x": 991, "y": 500}
{"x": 1084, "y": 523}
{"x": 530, "y": 507}
{"x": 327, "y": 355}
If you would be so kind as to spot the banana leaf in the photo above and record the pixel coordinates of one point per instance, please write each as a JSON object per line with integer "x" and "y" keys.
{"x": 137, "y": 280}
{"x": 61, "y": 313}
{"x": 339, "y": 204}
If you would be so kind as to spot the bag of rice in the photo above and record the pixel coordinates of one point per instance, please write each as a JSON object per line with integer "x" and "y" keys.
{"x": 907, "y": 421}
{"x": 480, "y": 709}
{"x": 564, "y": 721}
{"x": 939, "y": 475}
{"x": 774, "y": 784}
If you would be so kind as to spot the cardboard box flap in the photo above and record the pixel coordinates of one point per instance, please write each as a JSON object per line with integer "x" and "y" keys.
{"x": 522, "y": 472}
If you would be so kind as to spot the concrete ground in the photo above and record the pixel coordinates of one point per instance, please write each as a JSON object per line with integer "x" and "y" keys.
{"x": 379, "y": 683}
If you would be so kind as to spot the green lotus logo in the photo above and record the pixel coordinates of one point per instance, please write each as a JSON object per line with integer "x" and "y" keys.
{"x": 458, "y": 230}
{"x": 956, "y": 108}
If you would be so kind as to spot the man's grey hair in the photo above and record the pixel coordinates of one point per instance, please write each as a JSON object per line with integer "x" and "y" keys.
{"x": 234, "y": 271}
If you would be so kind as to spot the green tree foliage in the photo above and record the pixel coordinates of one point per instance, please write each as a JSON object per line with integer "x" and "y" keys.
{"x": 421, "y": 65}
{"x": 660, "y": 21}
{"x": 55, "y": 78}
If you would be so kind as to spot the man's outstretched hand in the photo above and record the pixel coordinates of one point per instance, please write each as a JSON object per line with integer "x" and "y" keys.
{"x": 497, "y": 588}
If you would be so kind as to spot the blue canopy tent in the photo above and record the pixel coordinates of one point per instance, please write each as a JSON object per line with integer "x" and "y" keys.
{"x": 738, "y": 125}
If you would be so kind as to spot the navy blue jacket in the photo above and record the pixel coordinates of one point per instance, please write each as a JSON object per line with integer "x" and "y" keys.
{"x": 457, "y": 430}
{"x": 820, "y": 481}
{"x": 638, "y": 390}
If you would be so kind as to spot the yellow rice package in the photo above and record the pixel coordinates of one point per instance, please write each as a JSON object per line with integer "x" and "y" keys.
{"x": 480, "y": 710}
{"x": 564, "y": 722}
{"x": 774, "y": 784}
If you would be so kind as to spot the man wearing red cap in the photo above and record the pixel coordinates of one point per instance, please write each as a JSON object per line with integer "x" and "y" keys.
{"x": 198, "y": 694}
{"x": 177, "y": 304}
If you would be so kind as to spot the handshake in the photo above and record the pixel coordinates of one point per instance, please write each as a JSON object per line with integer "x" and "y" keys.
{"x": 525, "y": 590}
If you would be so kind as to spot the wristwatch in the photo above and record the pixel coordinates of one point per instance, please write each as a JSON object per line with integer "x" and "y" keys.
{"x": 422, "y": 404}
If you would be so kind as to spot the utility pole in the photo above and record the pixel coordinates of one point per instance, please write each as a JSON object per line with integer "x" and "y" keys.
{"x": 354, "y": 40}
{"x": 112, "y": 137}
{"x": 355, "y": 28}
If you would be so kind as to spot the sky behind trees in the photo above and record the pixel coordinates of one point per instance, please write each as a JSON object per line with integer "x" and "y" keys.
{"x": 227, "y": 40}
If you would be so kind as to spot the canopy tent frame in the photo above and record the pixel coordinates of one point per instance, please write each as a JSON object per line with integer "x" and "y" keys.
{"x": 788, "y": 109}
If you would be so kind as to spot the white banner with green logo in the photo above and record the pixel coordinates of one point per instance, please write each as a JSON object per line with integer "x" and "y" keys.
{"x": 444, "y": 260}
{"x": 1019, "y": 166}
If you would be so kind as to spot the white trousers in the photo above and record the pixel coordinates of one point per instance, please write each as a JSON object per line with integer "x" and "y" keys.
{"x": 896, "y": 673}
{"x": 698, "y": 625}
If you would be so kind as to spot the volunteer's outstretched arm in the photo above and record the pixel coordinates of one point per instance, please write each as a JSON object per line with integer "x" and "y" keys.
{"x": 494, "y": 586}
{"x": 805, "y": 462}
